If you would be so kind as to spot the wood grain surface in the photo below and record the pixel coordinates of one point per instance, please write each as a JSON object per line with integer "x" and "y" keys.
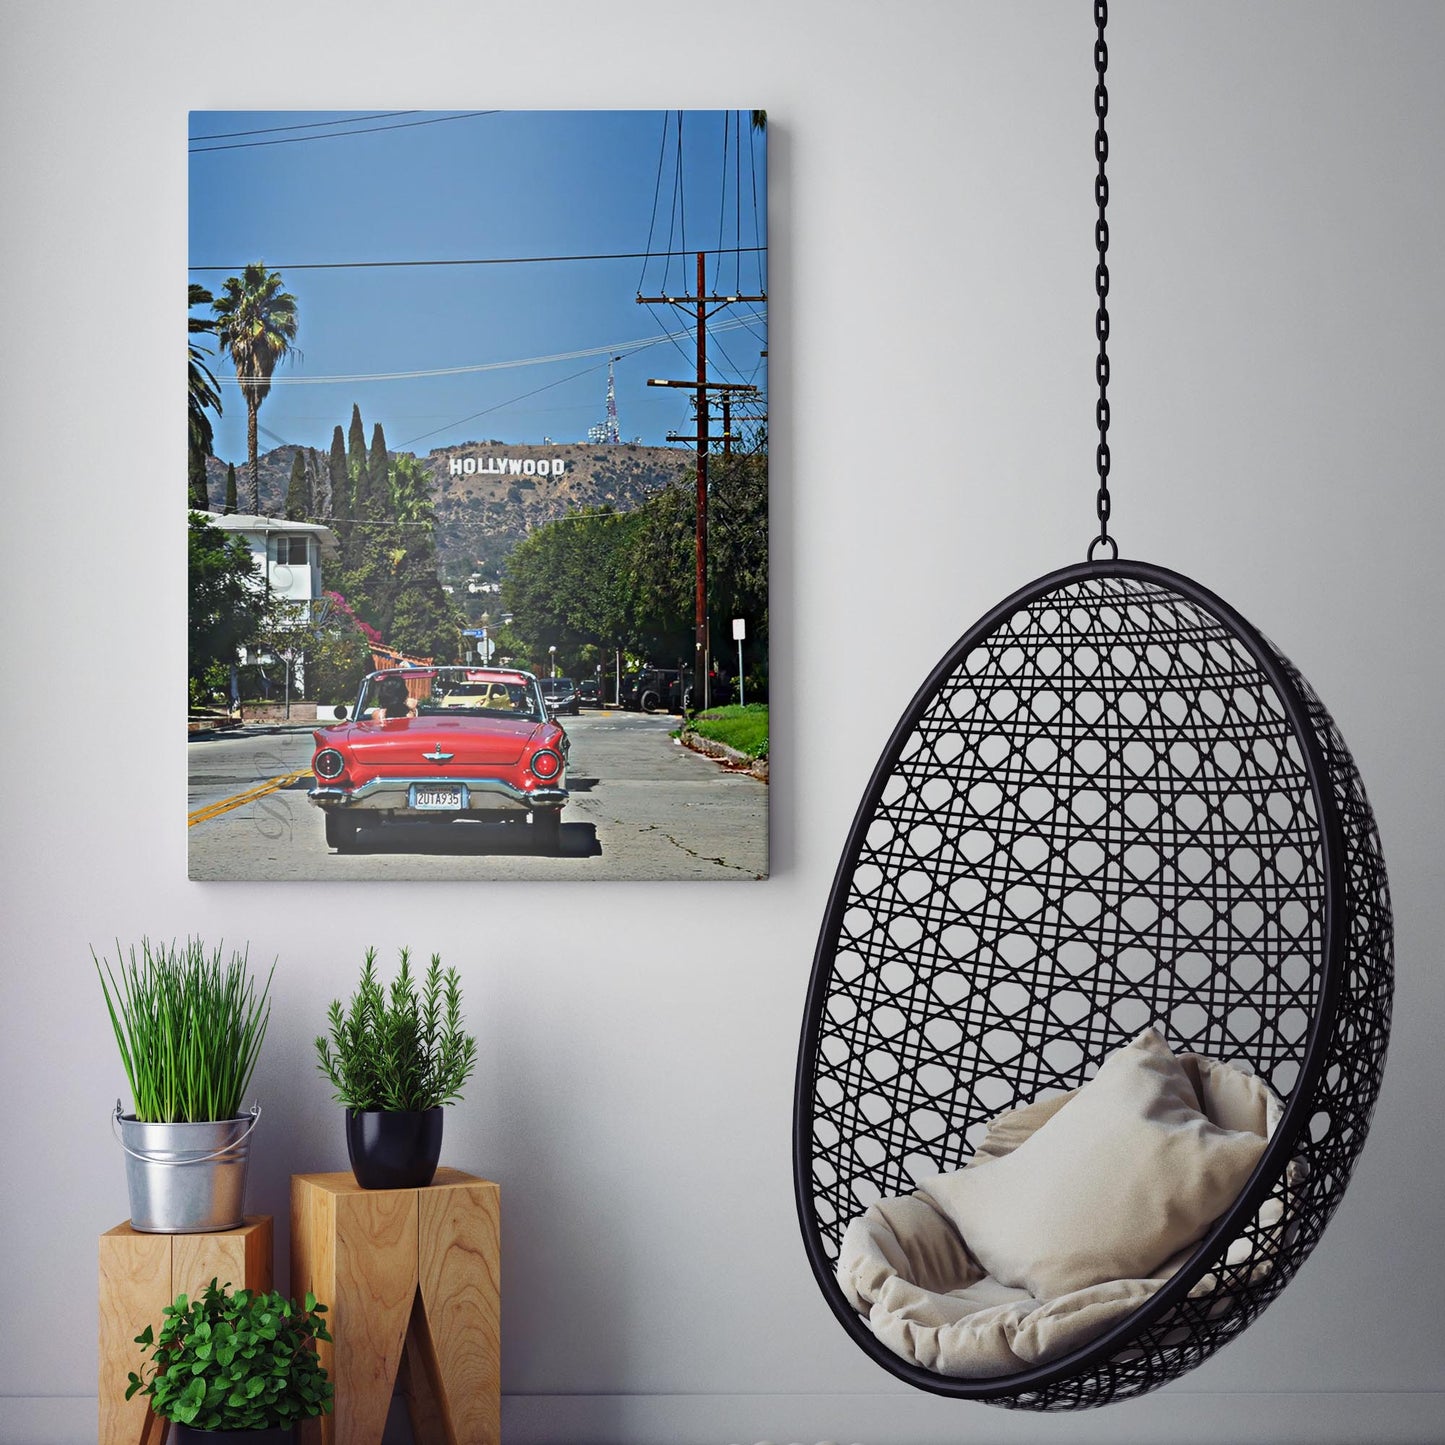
{"x": 140, "y": 1274}
{"x": 412, "y": 1279}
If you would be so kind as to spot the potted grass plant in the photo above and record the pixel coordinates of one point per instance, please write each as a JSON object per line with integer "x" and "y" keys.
{"x": 395, "y": 1058}
{"x": 189, "y": 1023}
{"x": 235, "y": 1369}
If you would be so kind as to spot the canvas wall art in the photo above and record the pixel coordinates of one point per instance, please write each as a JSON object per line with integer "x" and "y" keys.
{"x": 477, "y": 501}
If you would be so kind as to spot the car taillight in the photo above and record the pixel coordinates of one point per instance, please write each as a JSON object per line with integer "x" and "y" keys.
{"x": 545, "y": 763}
{"x": 328, "y": 764}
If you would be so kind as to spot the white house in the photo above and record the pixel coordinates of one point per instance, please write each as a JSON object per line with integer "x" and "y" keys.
{"x": 287, "y": 556}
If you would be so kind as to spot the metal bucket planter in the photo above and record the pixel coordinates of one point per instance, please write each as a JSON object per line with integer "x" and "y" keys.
{"x": 186, "y": 1178}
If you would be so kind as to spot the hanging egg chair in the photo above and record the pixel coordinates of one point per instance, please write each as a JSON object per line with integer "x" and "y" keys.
{"x": 1113, "y": 804}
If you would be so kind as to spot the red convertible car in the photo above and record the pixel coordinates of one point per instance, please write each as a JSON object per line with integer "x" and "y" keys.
{"x": 439, "y": 744}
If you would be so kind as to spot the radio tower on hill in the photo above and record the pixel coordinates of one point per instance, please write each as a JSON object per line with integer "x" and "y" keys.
{"x": 607, "y": 431}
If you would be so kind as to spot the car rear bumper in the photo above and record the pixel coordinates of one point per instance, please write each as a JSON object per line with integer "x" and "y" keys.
{"x": 480, "y": 795}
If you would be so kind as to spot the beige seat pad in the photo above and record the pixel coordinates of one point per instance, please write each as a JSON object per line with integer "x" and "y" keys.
{"x": 906, "y": 1267}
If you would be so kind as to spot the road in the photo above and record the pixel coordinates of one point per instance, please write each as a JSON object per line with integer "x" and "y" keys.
{"x": 641, "y": 807}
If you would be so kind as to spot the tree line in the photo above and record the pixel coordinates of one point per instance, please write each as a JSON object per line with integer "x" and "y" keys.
{"x": 598, "y": 581}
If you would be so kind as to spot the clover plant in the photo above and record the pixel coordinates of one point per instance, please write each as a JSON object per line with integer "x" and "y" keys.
{"x": 242, "y": 1361}
{"x": 395, "y": 1050}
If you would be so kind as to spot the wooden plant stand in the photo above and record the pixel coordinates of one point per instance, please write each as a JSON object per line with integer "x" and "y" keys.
{"x": 140, "y": 1274}
{"x": 411, "y": 1279}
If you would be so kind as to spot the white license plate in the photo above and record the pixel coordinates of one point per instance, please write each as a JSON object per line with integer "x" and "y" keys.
{"x": 436, "y": 798}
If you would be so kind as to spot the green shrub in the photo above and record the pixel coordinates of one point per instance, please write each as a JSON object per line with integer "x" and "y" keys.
{"x": 243, "y": 1361}
{"x": 743, "y": 728}
{"x": 396, "y": 1051}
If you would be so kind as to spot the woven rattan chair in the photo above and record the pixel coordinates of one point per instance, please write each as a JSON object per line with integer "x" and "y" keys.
{"x": 1113, "y": 804}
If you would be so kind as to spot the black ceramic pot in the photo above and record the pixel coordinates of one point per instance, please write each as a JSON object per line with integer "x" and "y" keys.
{"x": 189, "y": 1435}
{"x": 393, "y": 1150}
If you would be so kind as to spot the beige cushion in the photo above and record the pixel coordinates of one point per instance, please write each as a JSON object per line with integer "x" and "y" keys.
{"x": 1119, "y": 1178}
{"x": 907, "y": 1269}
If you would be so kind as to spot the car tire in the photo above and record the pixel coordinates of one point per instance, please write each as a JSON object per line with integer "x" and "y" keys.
{"x": 547, "y": 828}
{"x": 649, "y": 701}
{"x": 341, "y": 831}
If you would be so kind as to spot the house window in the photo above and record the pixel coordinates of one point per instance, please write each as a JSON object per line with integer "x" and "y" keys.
{"x": 292, "y": 550}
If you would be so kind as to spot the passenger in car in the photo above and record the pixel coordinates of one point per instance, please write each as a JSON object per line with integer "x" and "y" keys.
{"x": 394, "y": 701}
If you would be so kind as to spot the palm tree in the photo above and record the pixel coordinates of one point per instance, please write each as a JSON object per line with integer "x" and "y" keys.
{"x": 202, "y": 395}
{"x": 256, "y": 324}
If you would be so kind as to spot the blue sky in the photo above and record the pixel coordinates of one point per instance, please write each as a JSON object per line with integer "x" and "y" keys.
{"x": 513, "y": 183}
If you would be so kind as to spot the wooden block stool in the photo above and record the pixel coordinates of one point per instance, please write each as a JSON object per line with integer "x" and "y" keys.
{"x": 411, "y": 1279}
{"x": 140, "y": 1274}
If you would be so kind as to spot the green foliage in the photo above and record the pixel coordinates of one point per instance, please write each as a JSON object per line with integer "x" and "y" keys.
{"x": 231, "y": 507}
{"x": 567, "y": 583}
{"x": 388, "y": 564}
{"x": 211, "y": 689}
{"x": 602, "y": 579}
{"x": 340, "y": 492}
{"x": 256, "y": 323}
{"x": 202, "y": 396}
{"x": 373, "y": 485}
{"x": 298, "y": 493}
{"x": 743, "y": 728}
{"x": 338, "y": 657}
{"x": 242, "y": 1361}
{"x": 394, "y": 1050}
{"x": 226, "y": 601}
{"x": 189, "y": 1027}
{"x": 356, "y": 459}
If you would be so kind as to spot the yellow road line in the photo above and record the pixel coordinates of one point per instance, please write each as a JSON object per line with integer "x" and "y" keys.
{"x": 271, "y": 785}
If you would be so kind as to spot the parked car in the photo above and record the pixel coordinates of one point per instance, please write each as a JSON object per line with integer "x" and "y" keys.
{"x": 651, "y": 689}
{"x": 561, "y": 695}
{"x": 442, "y": 745}
{"x": 589, "y": 692}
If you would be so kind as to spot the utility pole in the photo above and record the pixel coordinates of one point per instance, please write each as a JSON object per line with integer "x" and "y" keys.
{"x": 700, "y": 303}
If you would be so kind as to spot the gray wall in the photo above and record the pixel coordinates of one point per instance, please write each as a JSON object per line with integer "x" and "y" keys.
{"x": 1278, "y": 310}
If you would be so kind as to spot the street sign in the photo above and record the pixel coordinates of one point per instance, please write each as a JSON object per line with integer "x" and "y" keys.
{"x": 740, "y": 629}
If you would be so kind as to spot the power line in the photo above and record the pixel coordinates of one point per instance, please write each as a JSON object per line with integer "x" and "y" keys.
{"x": 656, "y": 193}
{"x": 722, "y": 204}
{"x": 738, "y": 202}
{"x": 333, "y": 135}
{"x": 487, "y": 410}
{"x": 310, "y": 125}
{"x": 672, "y": 215}
{"x": 639, "y": 344}
{"x": 672, "y": 336}
{"x": 753, "y": 166}
{"x": 461, "y": 261}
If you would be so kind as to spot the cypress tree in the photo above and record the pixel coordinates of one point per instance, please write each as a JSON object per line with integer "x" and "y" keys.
{"x": 316, "y": 488}
{"x": 378, "y": 485}
{"x": 340, "y": 490}
{"x": 356, "y": 453}
{"x": 231, "y": 488}
{"x": 298, "y": 502}
{"x": 200, "y": 496}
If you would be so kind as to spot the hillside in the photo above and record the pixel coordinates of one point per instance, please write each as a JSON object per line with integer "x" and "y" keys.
{"x": 481, "y": 517}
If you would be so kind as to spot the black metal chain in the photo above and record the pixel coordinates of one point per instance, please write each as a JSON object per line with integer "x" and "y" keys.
{"x": 1101, "y": 278}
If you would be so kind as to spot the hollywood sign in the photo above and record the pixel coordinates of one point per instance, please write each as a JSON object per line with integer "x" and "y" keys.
{"x": 505, "y": 467}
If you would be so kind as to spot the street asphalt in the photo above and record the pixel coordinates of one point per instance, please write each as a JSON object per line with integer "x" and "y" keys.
{"x": 641, "y": 807}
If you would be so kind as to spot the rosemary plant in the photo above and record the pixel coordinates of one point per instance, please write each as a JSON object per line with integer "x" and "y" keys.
{"x": 395, "y": 1050}
{"x": 189, "y": 1025}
